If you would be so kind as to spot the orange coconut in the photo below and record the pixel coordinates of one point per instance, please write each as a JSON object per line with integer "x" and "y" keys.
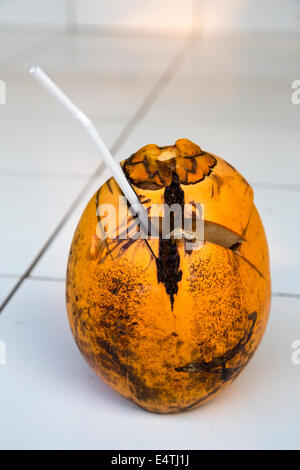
{"x": 166, "y": 326}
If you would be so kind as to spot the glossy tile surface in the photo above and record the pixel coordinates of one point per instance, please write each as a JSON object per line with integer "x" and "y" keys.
{"x": 47, "y": 385}
{"x": 6, "y": 285}
{"x": 231, "y": 95}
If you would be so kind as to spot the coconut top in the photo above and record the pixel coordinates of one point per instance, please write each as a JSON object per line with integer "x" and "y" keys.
{"x": 152, "y": 167}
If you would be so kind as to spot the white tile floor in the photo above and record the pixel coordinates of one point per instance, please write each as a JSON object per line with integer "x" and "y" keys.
{"x": 6, "y": 285}
{"x": 16, "y": 45}
{"x": 32, "y": 206}
{"x": 232, "y": 96}
{"x": 58, "y": 402}
{"x": 53, "y": 146}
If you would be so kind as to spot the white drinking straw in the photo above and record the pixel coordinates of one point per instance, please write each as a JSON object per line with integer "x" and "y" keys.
{"x": 114, "y": 167}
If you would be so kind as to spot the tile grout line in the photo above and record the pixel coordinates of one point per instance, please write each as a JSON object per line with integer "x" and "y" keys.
{"x": 50, "y": 278}
{"x": 277, "y": 186}
{"x": 152, "y": 95}
{"x": 72, "y": 29}
{"x": 47, "y": 278}
{"x": 285, "y": 295}
{"x": 44, "y": 174}
{"x": 268, "y": 186}
{"x": 9, "y": 276}
{"x": 48, "y": 41}
{"x": 197, "y": 16}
